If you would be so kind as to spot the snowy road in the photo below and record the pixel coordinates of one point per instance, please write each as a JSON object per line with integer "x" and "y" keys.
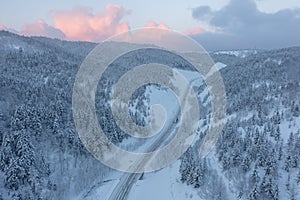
{"x": 126, "y": 182}
{"x": 121, "y": 187}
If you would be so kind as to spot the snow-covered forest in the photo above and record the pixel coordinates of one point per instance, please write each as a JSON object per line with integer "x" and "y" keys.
{"x": 42, "y": 157}
{"x": 258, "y": 154}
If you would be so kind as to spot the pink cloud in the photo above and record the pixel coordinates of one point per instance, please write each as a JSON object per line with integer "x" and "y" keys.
{"x": 40, "y": 28}
{"x": 159, "y": 35}
{"x": 82, "y": 24}
{"x": 152, "y": 32}
{"x": 2, "y": 27}
{"x": 5, "y": 28}
{"x": 194, "y": 31}
{"x": 152, "y": 24}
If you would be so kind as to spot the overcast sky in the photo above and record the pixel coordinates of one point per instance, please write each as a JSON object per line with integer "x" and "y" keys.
{"x": 216, "y": 24}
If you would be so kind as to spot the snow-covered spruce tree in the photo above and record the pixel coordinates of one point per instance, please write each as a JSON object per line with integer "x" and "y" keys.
{"x": 254, "y": 194}
{"x": 277, "y": 134}
{"x": 298, "y": 177}
{"x": 15, "y": 175}
{"x": 6, "y": 152}
{"x": 254, "y": 177}
{"x": 21, "y": 174}
{"x": 185, "y": 166}
{"x": 295, "y": 109}
{"x": 24, "y": 150}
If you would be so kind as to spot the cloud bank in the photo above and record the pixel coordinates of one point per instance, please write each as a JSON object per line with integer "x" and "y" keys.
{"x": 194, "y": 31}
{"x": 238, "y": 25}
{"x": 152, "y": 24}
{"x": 79, "y": 24}
{"x": 242, "y": 25}
{"x": 82, "y": 24}
{"x": 40, "y": 28}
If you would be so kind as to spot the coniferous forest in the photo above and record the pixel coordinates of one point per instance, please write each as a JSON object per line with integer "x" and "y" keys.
{"x": 42, "y": 157}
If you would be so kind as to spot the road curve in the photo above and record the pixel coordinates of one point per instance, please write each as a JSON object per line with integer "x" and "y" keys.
{"x": 127, "y": 181}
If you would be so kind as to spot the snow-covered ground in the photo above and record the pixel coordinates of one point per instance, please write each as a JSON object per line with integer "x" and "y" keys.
{"x": 163, "y": 185}
{"x": 237, "y": 53}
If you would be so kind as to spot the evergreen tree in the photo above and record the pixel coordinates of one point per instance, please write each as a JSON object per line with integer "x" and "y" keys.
{"x": 254, "y": 194}
{"x": 256, "y": 136}
{"x": 276, "y": 192}
{"x": 280, "y": 151}
{"x": 25, "y": 150}
{"x": 14, "y": 175}
{"x": 254, "y": 177}
{"x": 291, "y": 141}
{"x": 6, "y": 153}
{"x": 276, "y": 118}
{"x": 298, "y": 177}
{"x": 277, "y": 134}
{"x": 288, "y": 182}
{"x": 295, "y": 110}
{"x": 268, "y": 188}
{"x": 246, "y": 164}
{"x": 287, "y": 163}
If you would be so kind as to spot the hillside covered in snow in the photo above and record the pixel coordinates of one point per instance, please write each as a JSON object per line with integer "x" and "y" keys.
{"x": 42, "y": 157}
